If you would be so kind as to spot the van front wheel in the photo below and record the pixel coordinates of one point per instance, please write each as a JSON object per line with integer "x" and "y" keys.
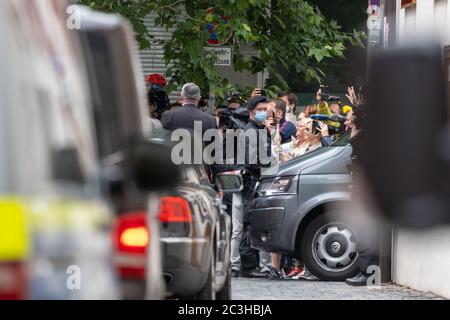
{"x": 329, "y": 249}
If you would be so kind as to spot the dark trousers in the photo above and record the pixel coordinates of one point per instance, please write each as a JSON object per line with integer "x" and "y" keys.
{"x": 366, "y": 260}
{"x": 369, "y": 248}
{"x": 369, "y": 232}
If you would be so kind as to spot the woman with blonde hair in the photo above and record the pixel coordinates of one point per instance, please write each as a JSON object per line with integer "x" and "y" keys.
{"x": 306, "y": 141}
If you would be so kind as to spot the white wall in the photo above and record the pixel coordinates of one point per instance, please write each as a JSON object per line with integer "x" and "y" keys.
{"x": 427, "y": 19}
{"x": 442, "y": 20}
{"x": 421, "y": 260}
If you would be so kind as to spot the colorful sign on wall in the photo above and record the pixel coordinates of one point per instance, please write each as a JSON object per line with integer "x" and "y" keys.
{"x": 215, "y": 39}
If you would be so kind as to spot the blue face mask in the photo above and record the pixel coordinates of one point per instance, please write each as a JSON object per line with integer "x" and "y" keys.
{"x": 261, "y": 116}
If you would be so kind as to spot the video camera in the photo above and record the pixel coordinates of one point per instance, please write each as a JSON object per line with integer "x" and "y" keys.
{"x": 331, "y": 129}
{"x": 326, "y": 96}
{"x": 233, "y": 119}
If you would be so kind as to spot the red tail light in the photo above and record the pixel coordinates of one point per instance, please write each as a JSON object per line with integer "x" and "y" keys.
{"x": 174, "y": 210}
{"x": 132, "y": 233}
{"x": 12, "y": 281}
{"x": 131, "y": 239}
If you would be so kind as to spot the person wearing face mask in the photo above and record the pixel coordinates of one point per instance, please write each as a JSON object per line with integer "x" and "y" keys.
{"x": 257, "y": 156}
{"x": 255, "y": 160}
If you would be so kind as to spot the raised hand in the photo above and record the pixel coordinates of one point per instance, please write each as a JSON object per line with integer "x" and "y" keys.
{"x": 351, "y": 95}
{"x": 295, "y": 141}
{"x": 323, "y": 129}
{"x": 354, "y": 98}
{"x": 256, "y": 93}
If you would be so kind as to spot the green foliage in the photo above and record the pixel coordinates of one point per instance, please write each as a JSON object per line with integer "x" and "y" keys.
{"x": 134, "y": 10}
{"x": 286, "y": 35}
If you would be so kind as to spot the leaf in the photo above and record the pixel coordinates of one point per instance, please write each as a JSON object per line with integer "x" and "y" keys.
{"x": 246, "y": 27}
{"x": 209, "y": 18}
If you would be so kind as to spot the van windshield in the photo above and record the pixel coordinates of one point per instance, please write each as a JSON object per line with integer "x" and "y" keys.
{"x": 343, "y": 140}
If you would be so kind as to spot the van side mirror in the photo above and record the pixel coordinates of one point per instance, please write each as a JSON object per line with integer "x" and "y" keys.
{"x": 229, "y": 183}
{"x": 151, "y": 166}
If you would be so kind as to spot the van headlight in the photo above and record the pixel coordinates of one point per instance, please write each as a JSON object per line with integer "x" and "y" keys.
{"x": 279, "y": 186}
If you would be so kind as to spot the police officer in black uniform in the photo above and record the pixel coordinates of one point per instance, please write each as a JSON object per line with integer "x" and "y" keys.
{"x": 257, "y": 156}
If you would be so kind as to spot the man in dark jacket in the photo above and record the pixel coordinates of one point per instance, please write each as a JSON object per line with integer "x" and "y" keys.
{"x": 185, "y": 117}
{"x": 257, "y": 156}
{"x": 190, "y": 117}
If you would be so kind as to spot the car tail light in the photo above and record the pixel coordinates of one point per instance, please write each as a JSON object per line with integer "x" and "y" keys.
{"x": 131, "y": 240}
{"x": 13, "y": 284}
{"x": 131, "y": 233}
{"x": 174, "y": 210}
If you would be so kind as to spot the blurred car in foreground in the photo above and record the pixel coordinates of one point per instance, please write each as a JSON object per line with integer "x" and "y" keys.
{"x": 194, "y": 230}
{"x": 54, "y": 223}
{"x": 293, "y": 213}
{"x": 133, "y": 169}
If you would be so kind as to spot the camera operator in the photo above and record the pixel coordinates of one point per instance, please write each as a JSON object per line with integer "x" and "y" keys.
{"x": 232, "y": 118}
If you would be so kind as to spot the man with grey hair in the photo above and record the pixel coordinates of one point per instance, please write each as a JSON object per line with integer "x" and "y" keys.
{"x": 185, "y": 117}
{"x": 191, "y": 93}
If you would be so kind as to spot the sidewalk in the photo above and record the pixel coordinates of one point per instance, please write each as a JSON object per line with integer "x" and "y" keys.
{"x": 257, "y": 289}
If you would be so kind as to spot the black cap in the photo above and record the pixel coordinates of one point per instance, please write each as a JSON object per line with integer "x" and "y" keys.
{"x": 251, "y": 105}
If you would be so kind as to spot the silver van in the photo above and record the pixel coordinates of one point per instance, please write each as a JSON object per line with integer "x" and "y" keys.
{"x": 294, "y": 212}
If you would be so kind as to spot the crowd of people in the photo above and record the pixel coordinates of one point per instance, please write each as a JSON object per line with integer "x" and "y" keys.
{"x": 289, "y": 135}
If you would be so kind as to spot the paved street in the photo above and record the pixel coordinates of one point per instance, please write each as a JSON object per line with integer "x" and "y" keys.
{"x": 257, "y": 289}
